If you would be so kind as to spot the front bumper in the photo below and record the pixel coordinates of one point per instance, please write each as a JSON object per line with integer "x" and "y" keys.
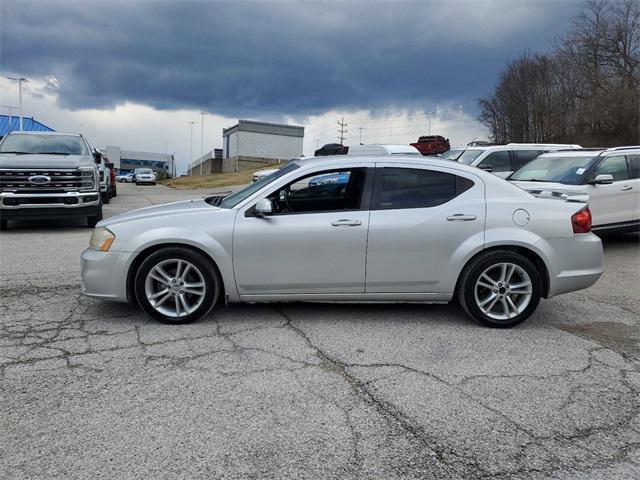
{"x": 579, "y": 263}
{"x": 48, "y": 205}
{"x": 104, "y": 274}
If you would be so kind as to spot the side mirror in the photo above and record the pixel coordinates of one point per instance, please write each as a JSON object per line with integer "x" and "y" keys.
{"x": 263, "y": 207}
{"x": 603, "y": 179}
{"x": 486, "y": 167}
{"x": 97, "y": 156}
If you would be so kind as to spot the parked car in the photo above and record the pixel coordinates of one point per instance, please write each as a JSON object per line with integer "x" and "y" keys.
{"x": 432, "y": 144}
{"x": 125, "y": 177}
{"x": 452, "y": 154}
{"x": 48, "y": 175}
{"x": 105, "y": 180}
{"x": 503, "y": 160}
{"x": 610, "y": 178}
{"x": 144, "y": 175}
{"x": 402, "y": 229}
{"x": 113, "y": 189}
{"x": 331, "y": 149}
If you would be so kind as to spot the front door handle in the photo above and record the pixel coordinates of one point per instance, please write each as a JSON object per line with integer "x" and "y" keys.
{"x": 346, "y": 223}
{"x": 626, "y": 188}
{"x": 460, "y": 217}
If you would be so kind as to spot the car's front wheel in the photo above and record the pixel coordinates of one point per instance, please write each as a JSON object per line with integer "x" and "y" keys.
{"x": 500, "y": 289}
{"x": 177, "y": 285}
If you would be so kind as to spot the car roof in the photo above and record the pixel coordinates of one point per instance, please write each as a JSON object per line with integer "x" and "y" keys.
{"x": 22, "y": 132}
{"x": 372, "y": 148}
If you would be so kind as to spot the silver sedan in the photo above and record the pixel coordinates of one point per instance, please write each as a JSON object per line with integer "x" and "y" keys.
{"x": 345, "y": 229}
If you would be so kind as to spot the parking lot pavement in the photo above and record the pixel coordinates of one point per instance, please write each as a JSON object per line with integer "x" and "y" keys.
{"x": 97, "y": 390}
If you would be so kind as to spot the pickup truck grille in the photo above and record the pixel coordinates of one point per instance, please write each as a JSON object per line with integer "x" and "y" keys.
{"x": 45, "y": 180}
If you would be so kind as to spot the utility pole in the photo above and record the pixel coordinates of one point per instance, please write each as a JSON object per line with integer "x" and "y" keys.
{"x": 342, "y": 130}
{"x": 20, "y": 81}
{"x": 360, "y": 128}
{"x": 191, "y": 142}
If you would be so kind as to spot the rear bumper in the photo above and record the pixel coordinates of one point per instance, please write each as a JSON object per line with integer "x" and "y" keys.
{"x": 579, "y": 263}
{"x": 104, "y": 274}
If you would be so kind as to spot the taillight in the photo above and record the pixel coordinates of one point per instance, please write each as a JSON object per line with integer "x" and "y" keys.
{"x": 581, "y": 221}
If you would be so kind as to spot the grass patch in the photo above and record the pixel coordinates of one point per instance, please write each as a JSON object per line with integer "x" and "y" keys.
{"x": 211, "y": 181}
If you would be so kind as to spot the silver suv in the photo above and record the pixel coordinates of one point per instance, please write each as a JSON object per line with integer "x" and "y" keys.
{"x": 46, "y": 175}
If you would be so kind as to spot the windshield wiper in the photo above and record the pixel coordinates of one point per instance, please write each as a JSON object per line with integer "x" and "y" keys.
{"x": 215, "y": 201}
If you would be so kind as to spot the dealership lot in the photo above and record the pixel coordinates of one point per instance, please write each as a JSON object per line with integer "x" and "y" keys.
{"x": 93, "y": 389}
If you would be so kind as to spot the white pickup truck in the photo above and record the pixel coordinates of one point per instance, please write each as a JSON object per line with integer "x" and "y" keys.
{"x": 49, "y": 175}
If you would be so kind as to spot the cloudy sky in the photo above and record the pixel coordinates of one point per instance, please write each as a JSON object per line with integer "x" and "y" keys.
{"x": 135, "y": 73}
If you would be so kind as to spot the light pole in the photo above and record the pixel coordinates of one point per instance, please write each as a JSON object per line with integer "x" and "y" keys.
{"x": 429, "y": 114}
{"x": 360, "y": 128}
{"x": 191, "y": 141}
{"x": 20, "y": 81}
{"x": 201, "y": 141}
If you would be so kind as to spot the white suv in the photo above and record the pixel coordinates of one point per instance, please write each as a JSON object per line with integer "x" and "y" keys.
{"x": 502, "y": 160}
{"x": 611, "y": 179}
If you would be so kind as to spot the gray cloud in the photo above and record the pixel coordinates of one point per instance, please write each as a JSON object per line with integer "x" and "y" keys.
{"x": 271, "y": 58}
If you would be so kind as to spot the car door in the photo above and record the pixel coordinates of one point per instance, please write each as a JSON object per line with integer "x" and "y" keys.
{"x": 420, "y": 218}
{"x": 614, "y": 202}
{"x": 313, "y": 243}
{"x": 633, "y": 161}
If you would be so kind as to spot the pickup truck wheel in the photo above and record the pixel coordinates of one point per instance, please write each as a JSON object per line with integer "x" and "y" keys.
{"x": 177, "y": 285}
{"x": 500, "y": 289}
{"x": 3, "y": 224}
{"x": 91, "y": 221}
{"x": 105, "y": 197}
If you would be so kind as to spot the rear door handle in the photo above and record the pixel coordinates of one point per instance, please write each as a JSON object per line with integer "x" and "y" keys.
{"x": 626, "y": 187}
{"x": 346, "y": 223}
{"x": 461, "y": 217}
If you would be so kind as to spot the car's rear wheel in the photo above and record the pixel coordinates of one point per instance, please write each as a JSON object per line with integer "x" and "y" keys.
{"x": 500, "y": 289}
{"x": 177, "y": 285}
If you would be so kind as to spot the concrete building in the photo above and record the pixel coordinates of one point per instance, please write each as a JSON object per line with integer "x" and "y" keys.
{"x": 210, "y": 162}
{"x": 250, "y": 144}
{"x": 128, "y": 160}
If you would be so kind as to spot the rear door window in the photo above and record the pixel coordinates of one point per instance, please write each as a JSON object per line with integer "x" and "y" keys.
{"x": 498, "y": 160}
{"x": 634, "y": 166}
{"x": 416, "y": 188}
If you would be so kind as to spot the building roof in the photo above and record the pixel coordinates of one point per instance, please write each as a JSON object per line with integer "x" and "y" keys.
{"x": 28, "y": 124}
{"x": 264, "y": 127}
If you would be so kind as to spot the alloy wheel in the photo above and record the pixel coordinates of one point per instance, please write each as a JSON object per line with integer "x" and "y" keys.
{"x": 503, "y": 291}
{"x": 175, "y": 287}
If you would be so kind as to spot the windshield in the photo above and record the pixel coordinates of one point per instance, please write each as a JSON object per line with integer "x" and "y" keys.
{"x": 568, "y": 170}
{"x": 451, "y": 154}
{"x": 469, "y": 156}
{"x": 235, "y": 198}
{"x": 51, "y": 144}
{"x": 143, "y": 170}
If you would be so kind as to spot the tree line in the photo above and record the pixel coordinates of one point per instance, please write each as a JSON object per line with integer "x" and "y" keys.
{"x": 586, "y": 90}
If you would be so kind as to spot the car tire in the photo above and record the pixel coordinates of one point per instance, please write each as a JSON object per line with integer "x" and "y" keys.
{"x": 137, "y": 183}
{"x": 500, "y": 289}
{"x": 172, "y": 308}
{"x": 3, "y": 224}
{"x": 105, "y": 197}
{"x": 94, "y": 219}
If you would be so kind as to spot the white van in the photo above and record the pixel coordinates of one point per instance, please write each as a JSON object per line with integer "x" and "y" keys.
{"x": 379, "y": 149}
{"x": 503, "y": 160}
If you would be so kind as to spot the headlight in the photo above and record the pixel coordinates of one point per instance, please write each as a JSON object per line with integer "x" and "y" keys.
{"x": 101, "y": 239}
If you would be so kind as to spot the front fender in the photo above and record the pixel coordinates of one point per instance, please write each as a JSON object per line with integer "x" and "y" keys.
{"x": 219, "y": 250}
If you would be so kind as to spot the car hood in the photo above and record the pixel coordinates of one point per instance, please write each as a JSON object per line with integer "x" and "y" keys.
{"x": 12, "y": 160}
{"x": 164, "y": 210}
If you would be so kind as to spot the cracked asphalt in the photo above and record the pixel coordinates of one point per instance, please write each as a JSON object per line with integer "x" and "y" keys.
{"x": 91, "y": 389}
